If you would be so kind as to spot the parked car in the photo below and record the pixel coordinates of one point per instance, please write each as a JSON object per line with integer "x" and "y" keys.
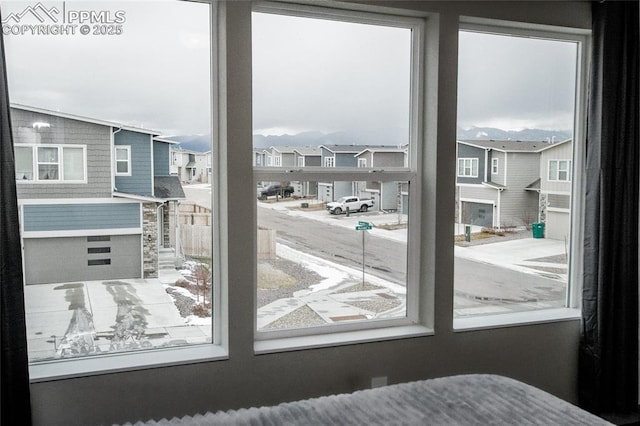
{"x": 271, "y": 190}
{"x": 353, "y": 204}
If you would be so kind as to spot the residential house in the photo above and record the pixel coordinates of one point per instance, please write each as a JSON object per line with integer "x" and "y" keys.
{"x": 387, "y": 196}
{"x": 494, "y": 182}
{"x": 555, "y": 189}
{"x": 191, "y": 166}
{"x": 95, "y": 197}
{"x": 307, "y": 156}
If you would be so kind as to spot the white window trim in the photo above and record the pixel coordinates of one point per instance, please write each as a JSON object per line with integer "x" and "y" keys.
{"x": 219, "y": 348}
{"x": 494, "y": 166}
{"x": 556, "y": 178}
{"x": 471, "y": 162}
{"x": 301, "y": 160}
{"x": 329, "y": 161}
{"x": 583, "y": 39}
{"x": 419, "y": 317}
{"x": 61, "y": 180}
{"x": 362, "y": 162}
{"x": 116, "y": 161}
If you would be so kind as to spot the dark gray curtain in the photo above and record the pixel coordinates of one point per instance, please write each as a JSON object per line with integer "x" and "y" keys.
{"x": 15, "y": 406}
{"x": 608, "y": 359}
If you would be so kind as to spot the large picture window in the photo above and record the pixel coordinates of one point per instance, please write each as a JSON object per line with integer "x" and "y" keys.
{"x": 342, "y": 262}
{"x": 517, "y": 232}
{"x": 51, "y": 163}
{"x": 114, "y": 266}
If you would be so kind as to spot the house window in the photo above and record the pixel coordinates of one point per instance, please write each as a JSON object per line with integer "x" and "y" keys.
{"x": 467, "y": 167}
{"x": 52, "y": 163}
{"x": 545, "y": 279}
{"x": 115, "y": 233}
{"x": 300, "y": 161}
{"x": 318, "y": 277}
{"x": 560, "y": 170}
{"x": 123, "y": 160}
{"x": 277, "y": 161}
{"x": 329, "y": 161}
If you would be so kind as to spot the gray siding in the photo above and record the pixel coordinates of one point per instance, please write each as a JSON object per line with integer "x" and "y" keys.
{"x": 558, "y": 152}
{"x": 140, "y": 180}
{"x": 466, "y": 151}
{"x": 498, "y": 178}
{"x": 97, "y": 139}
{"x": 68, "y": 217}
{"x": 160, "y": 159}
{"x": 517, "y": 206}
{"x": 346, "y": 160}
{"x": 288, "y": 159}
{"x": 312, "y": 160}
{"x": 388, "y": 159}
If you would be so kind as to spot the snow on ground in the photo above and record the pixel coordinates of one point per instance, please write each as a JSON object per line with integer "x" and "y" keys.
{"x": 333, "y": 273}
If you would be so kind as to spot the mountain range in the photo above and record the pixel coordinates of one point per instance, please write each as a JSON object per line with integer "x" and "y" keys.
{"x": 202, "y": 143}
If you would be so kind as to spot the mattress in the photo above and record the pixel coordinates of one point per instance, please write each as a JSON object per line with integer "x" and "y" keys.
{"x": 477, "y": 399}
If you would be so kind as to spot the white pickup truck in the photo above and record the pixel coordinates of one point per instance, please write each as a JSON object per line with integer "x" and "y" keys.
{"x": 354, "y": 204}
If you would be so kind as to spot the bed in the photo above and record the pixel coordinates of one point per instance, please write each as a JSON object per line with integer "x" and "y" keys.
{"x": 476, "y": 399}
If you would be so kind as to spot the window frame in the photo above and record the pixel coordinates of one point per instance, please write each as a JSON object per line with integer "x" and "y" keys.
{"x": 558, "y": 170}
{"x": 126, "y": 148}
{"x": 35, "y": 164}
{"x": 362, "y": 163}
{"x": 218, "y": 349}
{"x": 419, "y": 310}
{"x": 494, "y": 166}
{"x": 582, "y": 38}
{"x": 472, "y": 162}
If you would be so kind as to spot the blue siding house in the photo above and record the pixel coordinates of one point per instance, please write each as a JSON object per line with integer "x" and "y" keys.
{"x": 94, "y": 197}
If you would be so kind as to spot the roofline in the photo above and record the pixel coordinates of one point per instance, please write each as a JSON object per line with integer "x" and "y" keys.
{"x": 391, "y": 150}
{"x": 86, "y": 119}
{"x": 537, "y": 150}
{"x": 169, "y": 141}
{"x": 308, "y": 155}
{"x": 137, "y": 197}
{"x": 339, "y": 152}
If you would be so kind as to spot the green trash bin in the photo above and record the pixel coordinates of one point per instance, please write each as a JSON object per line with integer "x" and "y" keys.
{"x": 538, "y": 230}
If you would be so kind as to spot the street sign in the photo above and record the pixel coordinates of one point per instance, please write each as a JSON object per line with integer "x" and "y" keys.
{"x": 363, "y": 227}
{"x": 361, "y": 223}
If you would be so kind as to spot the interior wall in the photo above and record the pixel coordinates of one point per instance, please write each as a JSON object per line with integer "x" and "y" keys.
{"x": 543, "y": 355}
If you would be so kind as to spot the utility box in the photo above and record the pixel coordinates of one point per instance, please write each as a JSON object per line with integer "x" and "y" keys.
{"x": 467, "y": 233}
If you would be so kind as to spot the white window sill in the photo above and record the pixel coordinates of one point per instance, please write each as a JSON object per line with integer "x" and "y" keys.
{"x": 102, "y": 364}
{"x": 515, "y": 319}
{"x": 286, "y": 344}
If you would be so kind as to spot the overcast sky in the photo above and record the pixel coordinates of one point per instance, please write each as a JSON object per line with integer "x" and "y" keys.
{"x": 309, "y": 74}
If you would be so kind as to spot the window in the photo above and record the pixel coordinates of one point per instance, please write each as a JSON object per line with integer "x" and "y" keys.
{"x": 344, "y": 273}
{"x": 123, "y": 160}
{"x": 468, "y": 167}
{"x": 560, "y": 170}
{"x": 329, "y": 161}
{"x": 113, "y": 233}
{"x": 300, "y": 161}
{"x": 530, "y": 128}
{"x": 53, "y": 163}
{"x": 277, "y": 161}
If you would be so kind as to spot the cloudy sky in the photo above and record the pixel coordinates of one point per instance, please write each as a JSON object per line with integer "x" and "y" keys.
{"x": 309, "y": 74}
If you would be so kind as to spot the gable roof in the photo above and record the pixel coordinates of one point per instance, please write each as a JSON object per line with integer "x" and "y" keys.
{"x": 168, "y": 188}
{"x": 85, "y": 119}
{"x": 384, "y": 148}
{"x": 308, "y": 151}
{"x": 512, "y": 146}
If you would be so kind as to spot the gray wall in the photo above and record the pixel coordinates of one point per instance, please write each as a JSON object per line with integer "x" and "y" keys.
{"x": 517, "y": 206}
{"x": 466, "y": 151}
{"x": 161, "y": 159}
{"x": 96, "y": 137}
{"x": 140, "y": 181}
{"x": 544, "y": 355}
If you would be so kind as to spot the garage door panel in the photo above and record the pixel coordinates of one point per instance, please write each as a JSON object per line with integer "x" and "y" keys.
{"x": 51, "y": 260}
{"x": 479, "y": 214}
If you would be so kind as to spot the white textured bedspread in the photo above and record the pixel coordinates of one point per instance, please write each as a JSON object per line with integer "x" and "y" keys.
{"x": 478, "y": 399}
